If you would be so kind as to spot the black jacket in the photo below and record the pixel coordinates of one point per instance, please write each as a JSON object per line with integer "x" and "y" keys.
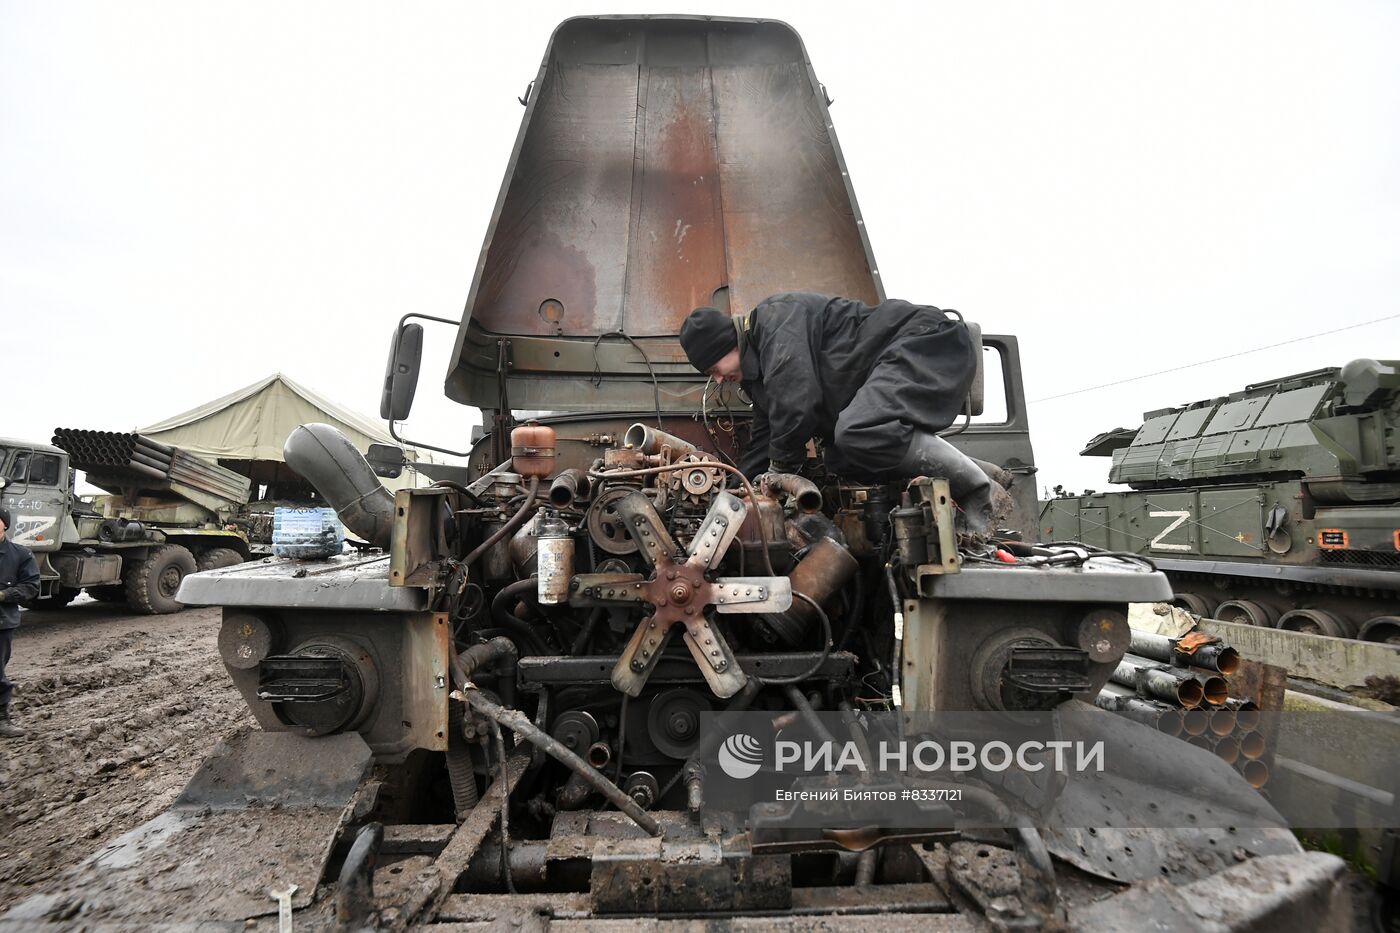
{"x": 19, "y": 581}
{"x": 859, "y": 377}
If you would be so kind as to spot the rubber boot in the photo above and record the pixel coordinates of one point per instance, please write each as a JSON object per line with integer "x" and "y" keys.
{"x": 982, "y": 501}
{"x": 1000, "y": 475}
{"x": 8, "y": 730}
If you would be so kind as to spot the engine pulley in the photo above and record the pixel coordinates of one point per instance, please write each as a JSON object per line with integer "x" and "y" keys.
{"x": 606, "y": 527}
{"x": 673, "y": 720}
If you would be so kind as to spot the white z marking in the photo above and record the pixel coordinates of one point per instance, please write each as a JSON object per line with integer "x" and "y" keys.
{"x": 30, "y": 525}
{"x": 1181, "y": 519}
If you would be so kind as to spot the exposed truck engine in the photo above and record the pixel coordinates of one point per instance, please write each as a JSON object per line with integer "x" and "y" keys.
{"x": 518, "y": 711}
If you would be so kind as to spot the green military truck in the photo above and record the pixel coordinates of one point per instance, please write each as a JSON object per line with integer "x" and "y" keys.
{"x": 169, "y": 514}
{"x": 1278, "y": 505}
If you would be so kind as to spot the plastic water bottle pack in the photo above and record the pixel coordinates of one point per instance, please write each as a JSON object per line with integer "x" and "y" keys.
{"x": 306, "y": 533}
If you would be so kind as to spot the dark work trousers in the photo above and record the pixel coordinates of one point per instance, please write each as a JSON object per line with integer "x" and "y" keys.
{"x": 6, "y": 688}
{"x": 918, "y": 382}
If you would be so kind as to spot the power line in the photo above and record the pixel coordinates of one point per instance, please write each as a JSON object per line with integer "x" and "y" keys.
{"x": 1228, "y": 356}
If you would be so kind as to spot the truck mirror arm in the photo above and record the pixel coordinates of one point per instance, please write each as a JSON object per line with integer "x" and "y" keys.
{"x": 407, "y": 442}
{"x": 401, "y": 378}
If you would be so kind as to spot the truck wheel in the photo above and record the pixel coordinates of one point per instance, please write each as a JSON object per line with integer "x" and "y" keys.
{"x": 109, "y": 593}
{"x": 217, "y": 557}
{"x": 152, "y": 585}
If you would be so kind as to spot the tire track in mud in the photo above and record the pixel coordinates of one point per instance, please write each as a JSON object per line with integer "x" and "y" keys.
{"x": 120, "y": 710}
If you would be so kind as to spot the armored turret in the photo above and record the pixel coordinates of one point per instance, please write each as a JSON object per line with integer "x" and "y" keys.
{"x": 1337, "y": 429}
{"x": 1277, "y": 505}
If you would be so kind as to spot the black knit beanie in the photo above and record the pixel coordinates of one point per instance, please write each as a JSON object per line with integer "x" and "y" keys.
{"x": 706, "y": 336}
{"x": 5, "y": 517}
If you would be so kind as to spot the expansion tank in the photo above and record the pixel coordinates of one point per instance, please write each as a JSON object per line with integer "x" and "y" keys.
{"x": 1276, "y": 506}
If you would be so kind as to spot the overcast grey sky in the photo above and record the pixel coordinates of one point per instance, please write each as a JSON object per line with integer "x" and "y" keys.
{"x": 193, "y": 195}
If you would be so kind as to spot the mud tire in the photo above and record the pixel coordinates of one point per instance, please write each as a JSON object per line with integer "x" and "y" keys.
{"x": 152, "y": 585}
{"x": 217, "y": 557}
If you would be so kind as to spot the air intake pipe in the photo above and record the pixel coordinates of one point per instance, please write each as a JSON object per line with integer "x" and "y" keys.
{"x": 327, "y": 460}
{"x": 650, "y": 441}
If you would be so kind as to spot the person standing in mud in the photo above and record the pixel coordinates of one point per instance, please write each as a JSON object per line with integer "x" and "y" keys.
{"x": 875, "y": 382}
{"x": 19, "y": 582}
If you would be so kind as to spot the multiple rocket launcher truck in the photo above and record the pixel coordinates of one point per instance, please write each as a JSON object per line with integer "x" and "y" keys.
{"x": 169, "y": 514}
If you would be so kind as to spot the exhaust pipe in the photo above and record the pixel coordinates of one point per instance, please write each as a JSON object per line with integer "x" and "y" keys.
{"x": 1171, "y": 684}
{"x": 822, "y": 572}
{"x": 1216, "y": 690}
{"x": 1252, "y": 745}
{"x": 1160, "y": 683}
{"x": 327, "y": 460}
{"x": 1119, "y": 699}
{"x": 1222, "y": 722}
{"x": 1217, "y": 656}
{"x": 1246, "y": 713}
{"x": 1201, "y": 742}
{"x": 1226, "y": 749}
{"x": 1195, "y": 722}
{"x": 1255, "y": 772}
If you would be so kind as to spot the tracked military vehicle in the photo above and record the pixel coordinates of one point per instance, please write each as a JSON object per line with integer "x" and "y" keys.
{"x": 514, "y": 713}
{"x": 1276, "y": 506}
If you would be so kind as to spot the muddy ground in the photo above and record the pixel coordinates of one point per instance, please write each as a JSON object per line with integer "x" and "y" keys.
{"x": 120, "y": 710}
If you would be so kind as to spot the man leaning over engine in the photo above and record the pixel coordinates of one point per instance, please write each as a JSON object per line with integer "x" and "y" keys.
{"x": 875, "y": 383}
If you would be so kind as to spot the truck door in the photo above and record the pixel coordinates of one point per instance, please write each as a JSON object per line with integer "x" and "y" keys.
{"x": 36, "y": 493}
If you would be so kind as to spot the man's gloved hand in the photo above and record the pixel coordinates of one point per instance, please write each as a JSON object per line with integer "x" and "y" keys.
{"x": 774, "y": 468}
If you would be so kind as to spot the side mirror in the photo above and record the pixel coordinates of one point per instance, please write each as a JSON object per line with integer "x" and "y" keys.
{"x": 386, "y": 460}
{"x": 401, "y": 373}
{"x": 977, "y": 395}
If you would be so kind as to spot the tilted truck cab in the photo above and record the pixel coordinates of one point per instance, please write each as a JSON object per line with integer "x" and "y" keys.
{"x": 517, "y": 700}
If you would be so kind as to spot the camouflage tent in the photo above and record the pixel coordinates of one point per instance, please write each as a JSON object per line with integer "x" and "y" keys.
{"x": 245, "y": 430}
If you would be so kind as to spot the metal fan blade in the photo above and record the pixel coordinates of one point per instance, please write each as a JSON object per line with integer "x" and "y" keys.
{"x": 718, "y": 530}
{"x": 753, "y": 594}
{"x": 641, "y": 655}
{"x": 715, "y": 658}
{"x": 605, "y": 589}
{"x": 646, "y": 528}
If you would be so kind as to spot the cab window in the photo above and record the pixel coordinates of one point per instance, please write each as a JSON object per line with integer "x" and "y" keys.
{"x": 994, "y": 408}
{"x": 19, "y": 467}
{"x": 44, "y": 469}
